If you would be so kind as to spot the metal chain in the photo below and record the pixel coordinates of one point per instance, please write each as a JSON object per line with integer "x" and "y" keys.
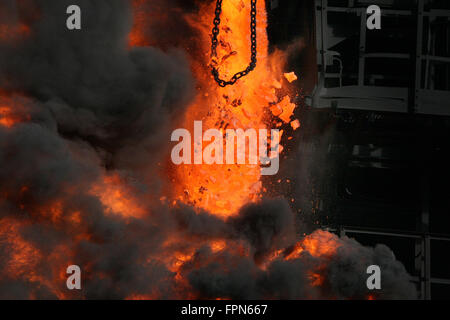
{"x": 215, "y": 42}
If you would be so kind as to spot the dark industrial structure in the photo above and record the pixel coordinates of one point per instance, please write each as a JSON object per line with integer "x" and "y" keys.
{"x": 375, "y": 111}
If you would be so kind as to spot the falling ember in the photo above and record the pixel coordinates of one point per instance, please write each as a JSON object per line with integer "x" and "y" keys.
{"x": 291, "y": 76}
{"x": 295, "y": 124}
{"x": 287, "y": 108}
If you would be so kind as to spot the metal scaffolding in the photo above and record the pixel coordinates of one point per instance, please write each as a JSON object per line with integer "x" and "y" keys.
{"x": 348, "y": 82}
{"x": 422, "y": 97}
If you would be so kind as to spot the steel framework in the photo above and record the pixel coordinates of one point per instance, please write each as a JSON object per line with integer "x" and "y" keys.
{"x": 423, "y": 95}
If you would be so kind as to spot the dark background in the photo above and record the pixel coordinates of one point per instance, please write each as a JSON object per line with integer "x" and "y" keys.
{"x": 383, "y": 175}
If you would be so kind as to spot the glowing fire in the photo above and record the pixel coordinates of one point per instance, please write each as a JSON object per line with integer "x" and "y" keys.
{"x": 10, "y": 33}
{"x": 137, "y": 36}
{"x": 223, "y": 189}
{"x": 6, "y": 118}
{"x": 318, "y": 244}
{"x": 12, "y": 111}
{"x": 117, "y": 197}
{"x": 254, "y": 102}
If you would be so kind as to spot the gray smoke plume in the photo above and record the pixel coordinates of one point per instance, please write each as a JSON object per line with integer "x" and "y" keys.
{"x": 90, "y": 106}
{"x": 235, "y": 276}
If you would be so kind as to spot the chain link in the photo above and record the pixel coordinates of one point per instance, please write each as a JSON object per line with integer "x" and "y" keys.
{"x": 215, "y": 42}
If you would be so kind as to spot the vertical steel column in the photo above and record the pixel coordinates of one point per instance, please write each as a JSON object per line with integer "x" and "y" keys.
{"x": 322, "y": 23}
{"x": 362, "y": 47}
{"x": 419, "y": 54}
{"x": 324, "y": 32}
{"x": 428, "y": 53}
{"x": 427, "y": 265}
{"x": 423, "y": 246}
{"x": 425, "y": 228}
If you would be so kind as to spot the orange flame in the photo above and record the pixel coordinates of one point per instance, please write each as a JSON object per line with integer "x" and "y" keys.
{"x": 12, "y": 111}
{"x": 223, "y": 189}
{"x": 11, "y": 33}
{"x": 117, "y": 197}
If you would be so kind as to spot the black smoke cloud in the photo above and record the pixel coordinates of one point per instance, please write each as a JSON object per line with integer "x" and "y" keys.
{"x": 235, "y": 276}
{"x": 94, "y": 106}
{"x": 96, "y": 88}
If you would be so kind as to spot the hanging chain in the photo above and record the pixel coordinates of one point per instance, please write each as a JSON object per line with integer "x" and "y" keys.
{"x": 215, "y": 42}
